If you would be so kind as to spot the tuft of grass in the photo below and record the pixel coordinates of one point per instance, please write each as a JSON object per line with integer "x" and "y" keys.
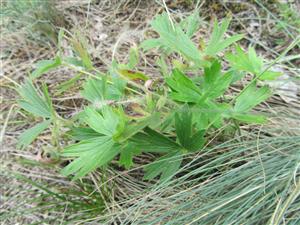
{"x": 39, "y": 18}
{"x": 249, "y": 182}
{"x": 60, "y": 200}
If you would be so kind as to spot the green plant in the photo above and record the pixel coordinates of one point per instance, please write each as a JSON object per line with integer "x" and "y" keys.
{"x": 171, "y": 118}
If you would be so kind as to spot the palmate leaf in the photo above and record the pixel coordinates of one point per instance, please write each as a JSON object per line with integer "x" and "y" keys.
{"x": 97, "y": 146}
{"x": 97, "y": 90}
{"x": 250, "y": 63}
{"x": 165, "y": 167}
{"x": 27, "y": 137}
{"x": 197, "y": 141}
{"x": 104, "y": 123}
{"x": 217, "y": 42}
{"x": 215, "y": 84}
{"x": 152, "y": 141}
{"x": 127, "y": 153}
{"x": 209, "y": 113}
{"x": 184, "y": 131}
{"x": 183, "y": 125}
{"x": 94, "y": 90}
{"x": 33, "y": 102}
{"x": 241, "y": 61}
{"x": 76, "y": 150}
{"x": 251, "y": 97}
{"x": 174, "y": 39}
{"x": 183, "y": 88}
{"x": 90, "y": 154}
{"x": 83, "y": 133}
{"x": 130, "y": 129}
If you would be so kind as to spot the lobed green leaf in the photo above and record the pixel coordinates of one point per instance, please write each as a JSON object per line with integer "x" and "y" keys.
{"x": 33, "y": 102}
{"x": 251, "y": 97}
{"x": 127, "y": 153}
{"x": 250, "y": 63}
{"x": 165, "y": 167}
{"x": 152, "y": 141}
{"x": 27, "y": 137}
{"x": 90, "y": 154}
{"x": 104, "y": 122}
{"x": 183, "y": 88}
{"x": 217, "y": 42}
{"x": 174, "y": 39}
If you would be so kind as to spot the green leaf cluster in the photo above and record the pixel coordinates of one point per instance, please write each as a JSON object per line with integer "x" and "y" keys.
{"x": 38, "y": 104}
{"x": 250, "y": 63}
{"x": 128, "y": 113}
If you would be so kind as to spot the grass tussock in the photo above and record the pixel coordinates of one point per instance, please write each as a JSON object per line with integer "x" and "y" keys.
{"x": 251, "y": 183}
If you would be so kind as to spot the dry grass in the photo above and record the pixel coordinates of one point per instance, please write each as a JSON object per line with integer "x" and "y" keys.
{"x": 111, "y": 27}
